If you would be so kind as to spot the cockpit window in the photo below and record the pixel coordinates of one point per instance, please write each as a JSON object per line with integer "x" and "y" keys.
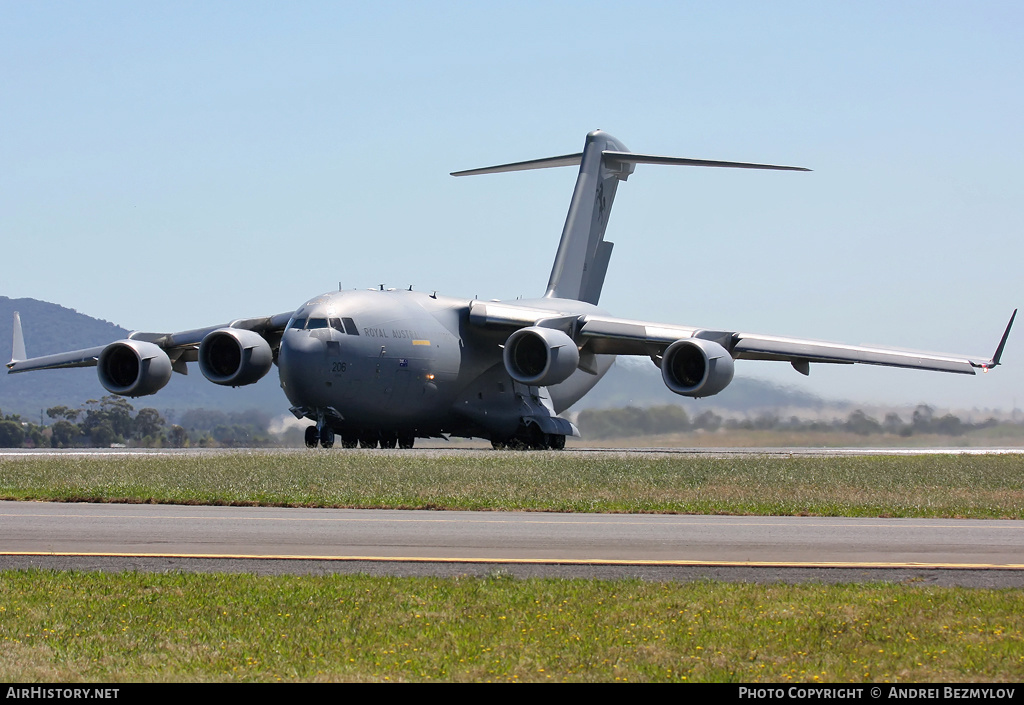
{"x": 341, "y": 325}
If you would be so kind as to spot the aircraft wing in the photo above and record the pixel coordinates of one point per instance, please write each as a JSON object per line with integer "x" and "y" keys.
{"x": 86, "y": 357}
{"x": 179, "y": 346}
{"x": 798, "y": 352}
{"x": 601, "y": 334}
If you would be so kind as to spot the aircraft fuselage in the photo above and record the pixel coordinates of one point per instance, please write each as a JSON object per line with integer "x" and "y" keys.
{"x": 407, "y": 362}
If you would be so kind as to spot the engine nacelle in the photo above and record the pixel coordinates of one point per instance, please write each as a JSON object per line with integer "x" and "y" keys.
{"x": 133, "y": 368}
{"x": 540, "y": 356}
{"x": 234, "y": 357}
{"x": 695, "y": 367}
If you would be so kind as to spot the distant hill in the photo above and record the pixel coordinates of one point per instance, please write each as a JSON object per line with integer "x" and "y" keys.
{"x": 50, "y": 328}
{"x": 631, "y": 384}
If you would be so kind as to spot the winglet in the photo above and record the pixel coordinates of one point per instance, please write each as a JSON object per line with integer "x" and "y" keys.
{"x": 18, "y": 352}
{"x": 1002, "y": 343}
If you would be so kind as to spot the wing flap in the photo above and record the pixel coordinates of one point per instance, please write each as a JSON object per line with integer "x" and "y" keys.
{"x": 188, "y": 338}
{"x": 505, "y": 315}
{"x": 604, "y": 335}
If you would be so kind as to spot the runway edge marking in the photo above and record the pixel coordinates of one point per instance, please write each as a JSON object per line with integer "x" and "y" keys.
{"x": 532, "y": 561}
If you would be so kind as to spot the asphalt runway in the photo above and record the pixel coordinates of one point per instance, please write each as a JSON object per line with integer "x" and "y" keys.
{"x": 436, "y": 448}
{"x": 986, "y": 553}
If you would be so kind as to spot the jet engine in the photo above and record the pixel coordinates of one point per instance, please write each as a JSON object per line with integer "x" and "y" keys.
{"x": 133, "y": 368}
{"x": 540, "y": 356}
{"x": 696, "y": 368}
{"x": 234, "y": 357}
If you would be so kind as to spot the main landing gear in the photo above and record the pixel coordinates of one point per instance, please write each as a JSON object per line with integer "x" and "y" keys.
{"x": 532, "y": 439}
{"x": 365, "y": 439}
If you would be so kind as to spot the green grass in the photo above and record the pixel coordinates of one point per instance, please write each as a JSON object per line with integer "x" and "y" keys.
{"x": 1010, "y": 436}
{"x": 906, "y": 486}
{"x": 72, "y": 626}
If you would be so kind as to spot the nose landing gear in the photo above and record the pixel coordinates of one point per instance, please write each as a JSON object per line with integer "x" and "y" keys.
{"x": 324, "y": 437}
{"x": 327, "y": 437}
{"x": 312, "y": 437}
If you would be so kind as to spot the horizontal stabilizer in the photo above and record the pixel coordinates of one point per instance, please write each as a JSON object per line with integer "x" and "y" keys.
{"x": 610, "y": 156}
{"x": 632, "y": 158}
{"x": 546, "y": 163}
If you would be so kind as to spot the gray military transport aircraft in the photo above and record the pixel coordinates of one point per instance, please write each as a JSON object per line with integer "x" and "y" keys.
{"x": 385, "y": 366}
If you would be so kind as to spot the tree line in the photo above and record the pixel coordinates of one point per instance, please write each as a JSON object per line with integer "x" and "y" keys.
{"x": 112, "y": 421}
{"x": 655, "y": 420}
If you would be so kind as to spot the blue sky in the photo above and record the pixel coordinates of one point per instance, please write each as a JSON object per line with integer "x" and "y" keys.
{"x": 172, "y": 165}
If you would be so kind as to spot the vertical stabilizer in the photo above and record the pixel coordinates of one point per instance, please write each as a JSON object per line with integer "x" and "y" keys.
{"x": 583, "y": 255}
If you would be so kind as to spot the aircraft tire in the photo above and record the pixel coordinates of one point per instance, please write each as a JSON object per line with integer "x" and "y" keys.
{"x": 327, "y": 438}
{"x": 388, "y": 440}
{"x": 499, "y": 445}
{"x": 312, "y": 437}
{"x": 406, "y": 441}
{"x": 368, "y": 440}
{"x": 536, "y": 439}
{"x": 349, "y": 440}
{"x": 556, "y": 441}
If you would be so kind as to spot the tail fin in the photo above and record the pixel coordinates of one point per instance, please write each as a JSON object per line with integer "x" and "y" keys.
{"x": 581, "y": 261}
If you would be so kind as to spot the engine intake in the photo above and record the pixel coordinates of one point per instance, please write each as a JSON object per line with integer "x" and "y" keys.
{"x": 695, "y": 367}
{"x": 234, "y": 357}
{"x": 133, "y": 368}
{"x": 540, "y": 356}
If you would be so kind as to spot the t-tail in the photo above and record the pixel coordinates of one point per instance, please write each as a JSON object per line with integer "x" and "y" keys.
{"x": 583, "y": 254}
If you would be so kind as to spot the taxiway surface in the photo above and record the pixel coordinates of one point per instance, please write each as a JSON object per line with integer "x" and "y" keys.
{"x": 275, "y": 540}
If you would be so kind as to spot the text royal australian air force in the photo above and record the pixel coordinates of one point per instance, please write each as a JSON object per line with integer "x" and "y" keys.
{"x": 396, "y": 333}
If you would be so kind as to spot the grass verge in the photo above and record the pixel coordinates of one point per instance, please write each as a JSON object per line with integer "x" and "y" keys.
{"x": 979, "y": 486}
{"x": 72, "y": 626}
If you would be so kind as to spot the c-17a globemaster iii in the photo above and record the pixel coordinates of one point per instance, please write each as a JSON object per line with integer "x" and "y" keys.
{"x": 385, "y": 366}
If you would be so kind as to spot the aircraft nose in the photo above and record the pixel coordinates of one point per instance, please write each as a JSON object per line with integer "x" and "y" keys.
{"x": 301, "y": 364}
